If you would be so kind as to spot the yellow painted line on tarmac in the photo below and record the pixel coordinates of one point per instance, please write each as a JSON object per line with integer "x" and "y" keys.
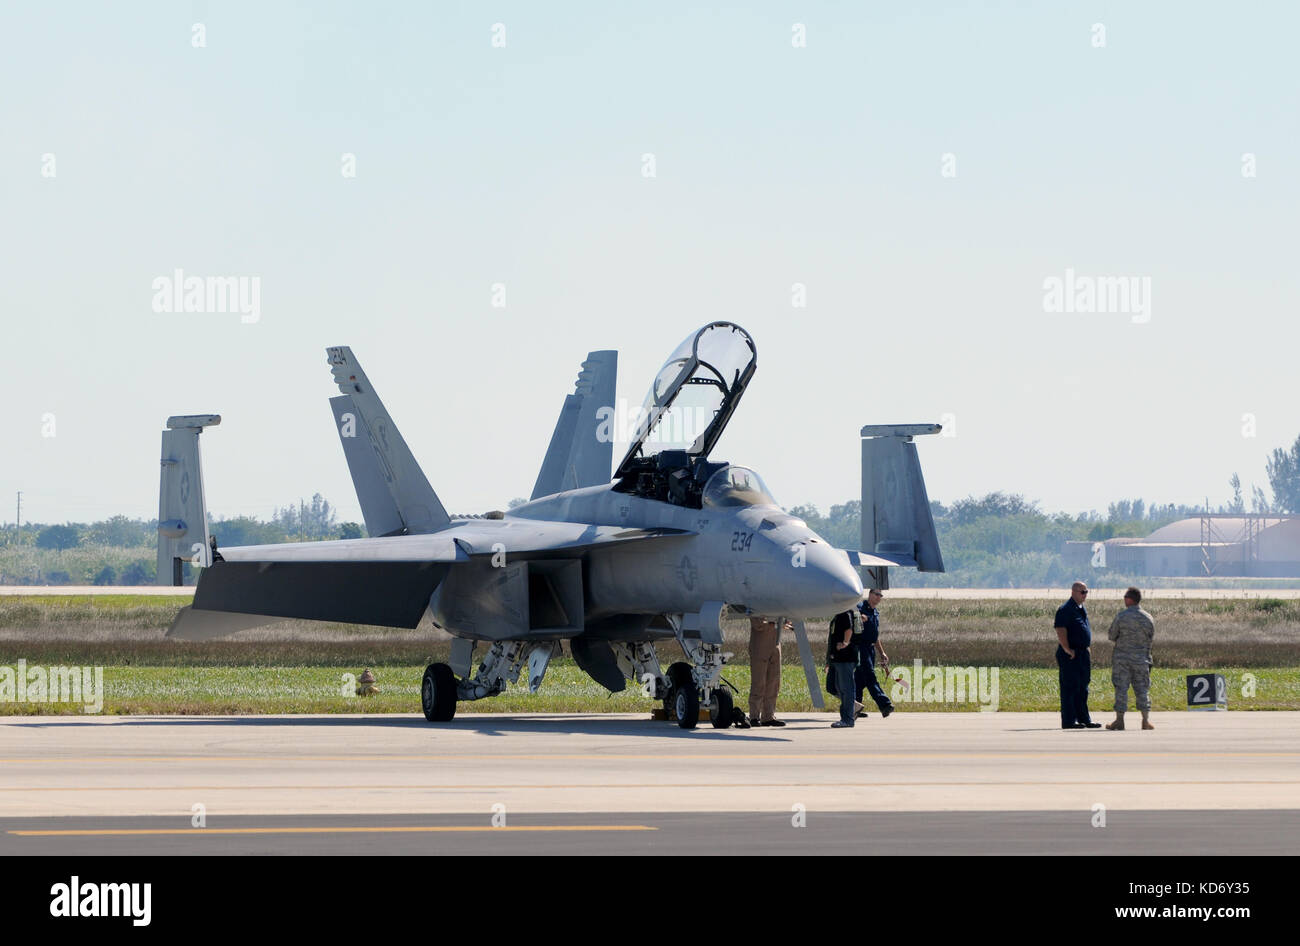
{"x": 405, "y": 829}
{"x": 654, "y": 757}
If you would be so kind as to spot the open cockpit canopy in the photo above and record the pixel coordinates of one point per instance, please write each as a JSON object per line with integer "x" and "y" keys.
{"x": 689, "y": 404}
{"x": 693, "y": 395}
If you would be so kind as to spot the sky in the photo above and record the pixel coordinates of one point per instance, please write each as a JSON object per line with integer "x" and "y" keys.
{"x": 881, "y": 194}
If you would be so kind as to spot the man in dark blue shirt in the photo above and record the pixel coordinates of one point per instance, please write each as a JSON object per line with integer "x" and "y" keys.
{"x": 864, "y": 678}
{"x": 1073, "y": 659}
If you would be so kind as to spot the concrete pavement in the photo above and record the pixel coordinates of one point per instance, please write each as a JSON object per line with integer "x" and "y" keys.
{"x": 96, "y": 766}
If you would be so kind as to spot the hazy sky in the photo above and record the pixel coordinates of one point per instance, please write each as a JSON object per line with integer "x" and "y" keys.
{"x": 921, "y": 169}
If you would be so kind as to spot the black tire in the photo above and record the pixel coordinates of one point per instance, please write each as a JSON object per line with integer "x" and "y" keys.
{"x": 438, "y": 693}
{"x": 679, "y": 674}
{"x": 686, "y": 705}
{"x": 723, "y": 708}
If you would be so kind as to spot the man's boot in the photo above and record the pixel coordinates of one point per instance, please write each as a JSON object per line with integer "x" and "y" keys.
{"x": 1119, "y": 722}
{"x": 1146, "y": 719}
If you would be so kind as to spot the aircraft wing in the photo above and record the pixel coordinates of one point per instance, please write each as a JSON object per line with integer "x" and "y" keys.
{"x": 385, "y": 581}
{"x": 518, "y": 538}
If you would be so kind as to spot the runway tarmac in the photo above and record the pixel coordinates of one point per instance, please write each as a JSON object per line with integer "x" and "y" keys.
{"x": 1129, "y": 833}
{"x": 968, "y": 782}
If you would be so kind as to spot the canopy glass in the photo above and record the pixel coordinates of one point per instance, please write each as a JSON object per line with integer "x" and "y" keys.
{"x": 694, "y": 393}
{"x": 737, "y": 486}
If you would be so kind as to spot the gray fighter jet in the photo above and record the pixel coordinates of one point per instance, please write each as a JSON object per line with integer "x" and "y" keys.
{"x": 611, "y": 565}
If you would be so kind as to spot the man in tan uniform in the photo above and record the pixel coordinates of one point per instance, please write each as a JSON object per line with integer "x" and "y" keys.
{"x": 764, "y": 669}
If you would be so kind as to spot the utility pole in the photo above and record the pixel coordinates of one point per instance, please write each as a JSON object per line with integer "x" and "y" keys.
{"x": 18, "y": 516}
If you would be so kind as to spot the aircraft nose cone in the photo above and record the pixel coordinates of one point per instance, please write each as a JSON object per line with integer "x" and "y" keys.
{"x": 845, "y": 585}
{"x": 834, "y": 582}
{"x": 849, "y": 589}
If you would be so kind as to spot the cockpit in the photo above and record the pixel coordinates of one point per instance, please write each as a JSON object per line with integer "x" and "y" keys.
{"x": 688, "y": 406}
{"x": 736, "y": 486}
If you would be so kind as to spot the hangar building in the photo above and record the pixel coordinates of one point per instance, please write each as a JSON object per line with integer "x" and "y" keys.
{"x": 1255, "y": 546}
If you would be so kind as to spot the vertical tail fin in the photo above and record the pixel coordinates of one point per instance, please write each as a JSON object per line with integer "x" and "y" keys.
{"x": 896, "y": 519}
{"x": 378, "y": 508}
{"x": 387, "y": 466}
{"x": 182, "y": 512}
{"x": 578, "y": 456}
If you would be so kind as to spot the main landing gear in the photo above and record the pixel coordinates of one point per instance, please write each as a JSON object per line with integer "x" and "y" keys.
{"x": 438, "y": 693}
{"x": 502, "y": 664}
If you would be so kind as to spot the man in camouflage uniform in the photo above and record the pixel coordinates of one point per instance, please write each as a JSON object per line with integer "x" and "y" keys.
{"x": 1132, "y": 631}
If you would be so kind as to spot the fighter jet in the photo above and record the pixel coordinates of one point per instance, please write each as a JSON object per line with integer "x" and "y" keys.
{"x": 610, "y": 564}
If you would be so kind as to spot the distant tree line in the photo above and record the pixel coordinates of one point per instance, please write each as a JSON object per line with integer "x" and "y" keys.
{"x": 996, "y": 540}
{"x": 1001, "y": 540}
{"x": 123, "y": 551}
{"x": 1283, "y": 467}
{"x": 1005, "y": 540}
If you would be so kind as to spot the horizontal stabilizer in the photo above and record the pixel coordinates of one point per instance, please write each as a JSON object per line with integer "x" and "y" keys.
{"x": 194, "y": 625}
{"x": 879, "y": 559}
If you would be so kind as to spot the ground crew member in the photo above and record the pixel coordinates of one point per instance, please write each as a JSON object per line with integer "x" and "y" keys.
{"x": 1132, "y": 631}
{"x": 1073, "y": 659}
{"x": 764, "y": 670}
{"x": 841, "y": 662}
{"x": 864, "y": 677}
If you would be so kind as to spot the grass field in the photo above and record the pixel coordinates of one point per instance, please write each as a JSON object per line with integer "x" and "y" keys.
{"x": 298, "y": 667}
{"x": 317, "y": 689}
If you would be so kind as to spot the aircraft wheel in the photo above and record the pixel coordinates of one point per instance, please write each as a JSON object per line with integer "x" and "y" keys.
{"x": 438, "y": 693}
{"x": 679, "y": 672}
{"x": 723, "y": 707}
{"x": 678, "y": 675}
{"x": 686, "y": 705}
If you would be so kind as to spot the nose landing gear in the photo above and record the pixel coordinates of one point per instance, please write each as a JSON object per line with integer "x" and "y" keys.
{"x": 686, "y": 706}
{"x": 723, "y": 710}
{"x": 684, "y": 698}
